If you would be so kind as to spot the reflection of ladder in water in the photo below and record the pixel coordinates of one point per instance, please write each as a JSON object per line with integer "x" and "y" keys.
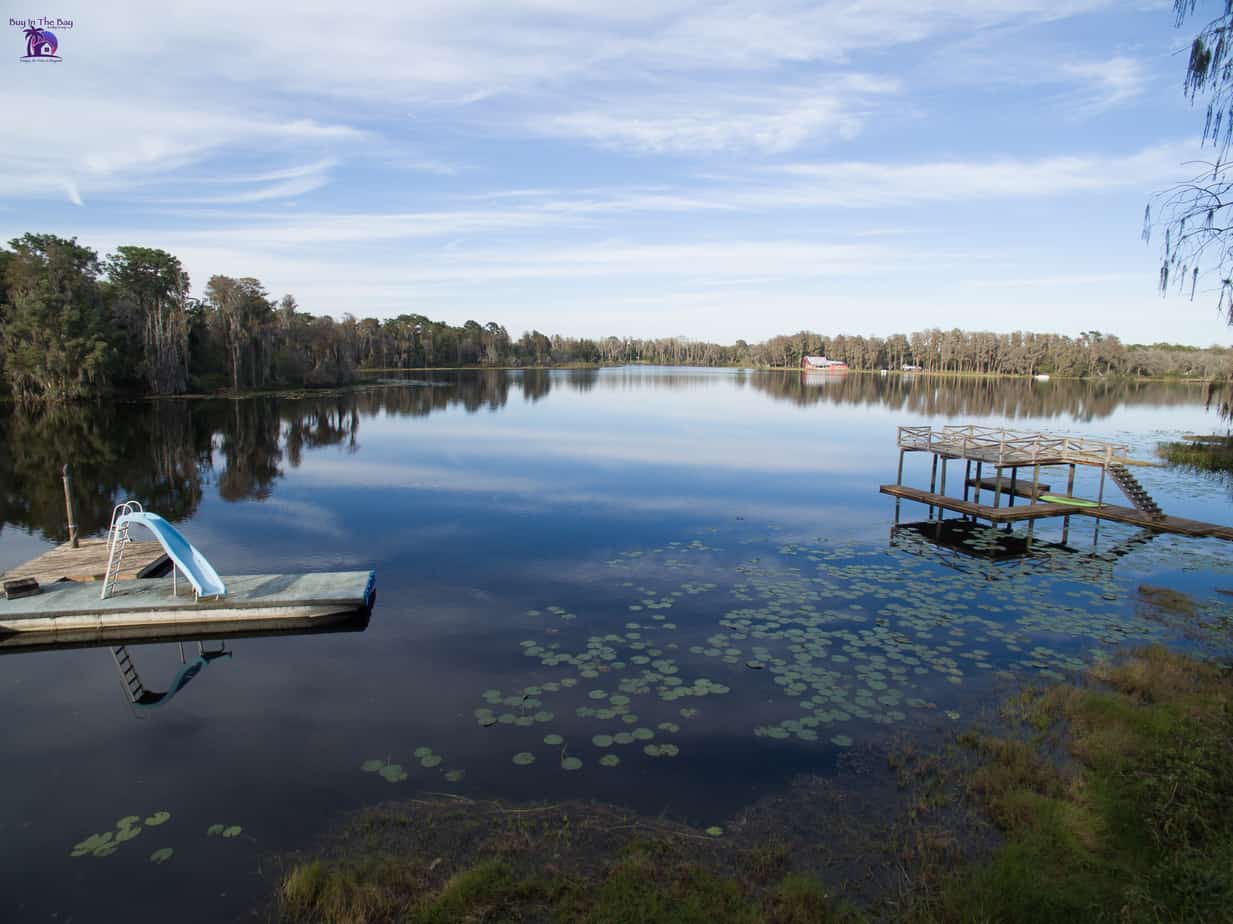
{"x": 128, "y": 673}
{"x": 136, "y": 691}
{"x": 117, "y": 542}
{"x": 1137, "y": 494}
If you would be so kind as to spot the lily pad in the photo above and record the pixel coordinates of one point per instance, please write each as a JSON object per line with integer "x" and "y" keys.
{"x": 215, "y": 829}
{"x": 524, "y": 758}
{"x": 372, "y": 766}
{"x": 571, "y": 763}
{"x": 715, "y": 831}
{"x": 393, "y": 773}
{"x": 233, "y": 831}
{"x": 158, "y": 818}
{"x": 553, "y": 739}
{"x": 162, "y": 855}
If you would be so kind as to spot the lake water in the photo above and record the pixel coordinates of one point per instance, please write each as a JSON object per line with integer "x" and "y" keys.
{"x": 689, "y": 576}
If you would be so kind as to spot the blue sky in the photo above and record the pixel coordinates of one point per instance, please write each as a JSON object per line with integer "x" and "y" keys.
{"x": 717, "y": 170}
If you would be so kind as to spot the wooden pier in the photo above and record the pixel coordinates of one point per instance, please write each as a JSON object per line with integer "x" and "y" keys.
{"x": 1007, "y": 452}
{"x": 88, "y": 562}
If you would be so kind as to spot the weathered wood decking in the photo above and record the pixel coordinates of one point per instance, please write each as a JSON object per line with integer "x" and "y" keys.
{"x": 88, "y": 562}
{"x": 74, "y": 612}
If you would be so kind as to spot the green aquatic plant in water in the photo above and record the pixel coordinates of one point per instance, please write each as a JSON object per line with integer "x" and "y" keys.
{"x": 831, "y": 638}
{"x": 127, "y": 828}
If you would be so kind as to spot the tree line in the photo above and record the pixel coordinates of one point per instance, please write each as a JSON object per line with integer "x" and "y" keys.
{"x": 74, "y": 325}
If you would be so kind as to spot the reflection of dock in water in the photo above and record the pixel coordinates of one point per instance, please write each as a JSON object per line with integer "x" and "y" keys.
{"x": 1011, "y": 456}
{"x": 124, "y": 648}
{"x": 958, "y": 539}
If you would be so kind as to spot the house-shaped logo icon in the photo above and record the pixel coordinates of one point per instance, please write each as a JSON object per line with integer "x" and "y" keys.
{"x": 41, "y": 45}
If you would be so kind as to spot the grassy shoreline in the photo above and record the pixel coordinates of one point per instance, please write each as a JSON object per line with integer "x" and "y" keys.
{"x": 1106, "y": 798}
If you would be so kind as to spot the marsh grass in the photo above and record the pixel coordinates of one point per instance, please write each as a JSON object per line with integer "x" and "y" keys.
{"x": 1140, "y": 828}
{"x": 651, "y": 872}
{"x": 1214, "y": 455}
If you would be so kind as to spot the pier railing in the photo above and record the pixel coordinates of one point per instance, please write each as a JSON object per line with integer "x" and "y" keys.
{"x": 1001, "y": 446}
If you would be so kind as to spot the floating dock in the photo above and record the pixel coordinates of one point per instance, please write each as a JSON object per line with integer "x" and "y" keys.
{"x": 70, "y": 612}
{"x": 1007, "y": 453}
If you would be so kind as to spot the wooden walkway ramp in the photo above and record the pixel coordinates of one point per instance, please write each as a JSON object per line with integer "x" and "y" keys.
{"x": 1112, "y": 512}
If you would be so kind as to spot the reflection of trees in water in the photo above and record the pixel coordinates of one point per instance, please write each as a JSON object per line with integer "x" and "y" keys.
{"x": 1083, "y": 399}
{"x": 163, "y": 452}
{"x": 150, "y": 450}
{"x": 251, "y": 449}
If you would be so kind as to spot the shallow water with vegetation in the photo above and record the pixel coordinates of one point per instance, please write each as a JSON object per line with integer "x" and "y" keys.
{"x": 674, "y": 591}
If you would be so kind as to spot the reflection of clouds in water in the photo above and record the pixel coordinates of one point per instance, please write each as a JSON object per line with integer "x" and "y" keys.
{"x": 303, "y": 516}
{"x": 542, "y": 493}
{"x": 745, "y": 451}
{"x": 384, "y": 475}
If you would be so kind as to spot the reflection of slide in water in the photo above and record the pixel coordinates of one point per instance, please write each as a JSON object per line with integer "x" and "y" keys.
{"x": 185, "y": 556}
{"x": 145, "y": 698}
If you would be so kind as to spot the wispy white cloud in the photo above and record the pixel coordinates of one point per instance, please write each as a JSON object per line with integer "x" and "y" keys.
{"x": 774, "y": 119}
{"x": 125, "y": 143}
{"x": 895, "y": 184}
{"x": 1107, "y": 83}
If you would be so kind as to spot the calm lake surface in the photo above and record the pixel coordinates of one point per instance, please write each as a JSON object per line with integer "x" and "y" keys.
{"x": 595, "y": 555}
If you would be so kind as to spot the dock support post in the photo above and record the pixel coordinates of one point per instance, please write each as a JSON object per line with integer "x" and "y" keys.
{"x": 1070, "y": 482}
{"x": 979, "y": 475}
{"x": 933, "y": 482}
{"x": 997, "y": 488}
{"x": 899, "y": 477}
{"x": 1035, "y": 482}
{"x": 967, "y": 478}
{"x": 1014, "y": 478}
{"x": 942, "y": 510}
{"x": 1100, "y": 497}
{"x": 68, "y": 506}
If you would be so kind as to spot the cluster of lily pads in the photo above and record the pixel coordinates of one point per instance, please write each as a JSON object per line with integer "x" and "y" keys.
{"x": 394, "y": 773}
{"x": 106, "y": 843}
{"x": 129, "y": 827}
{"x": 824, "y": 633}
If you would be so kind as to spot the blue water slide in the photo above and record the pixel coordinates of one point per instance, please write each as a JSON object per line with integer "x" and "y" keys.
{"x": 192, "y": 564}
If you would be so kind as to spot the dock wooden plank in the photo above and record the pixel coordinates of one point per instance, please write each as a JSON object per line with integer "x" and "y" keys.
{"x": 983, "y": 511}
{"x": 88, "y": 562}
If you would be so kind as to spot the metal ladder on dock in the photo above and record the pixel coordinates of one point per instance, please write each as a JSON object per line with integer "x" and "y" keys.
{"x": 117, "y": 542}
{"x": 1137, "y": 494}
